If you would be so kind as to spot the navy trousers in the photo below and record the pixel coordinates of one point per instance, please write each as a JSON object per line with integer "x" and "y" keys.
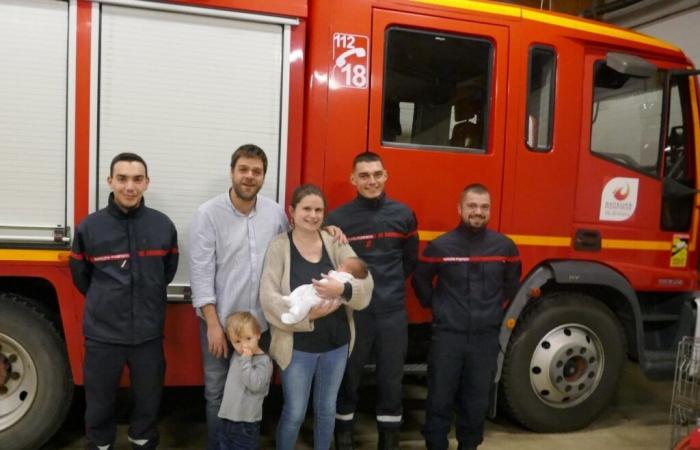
{"x": 102, "y": 370}
{"x": 461, "y": 370}
{"x": 384, "y": 337}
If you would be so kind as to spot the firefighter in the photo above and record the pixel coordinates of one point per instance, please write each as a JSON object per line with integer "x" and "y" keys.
{"x": 476, "y": 272}
{"x": 383, "y": 233}
{"x": 122, "y": 260}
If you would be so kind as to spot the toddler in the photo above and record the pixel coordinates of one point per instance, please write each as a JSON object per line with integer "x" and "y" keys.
{"x": 247, "y": 384}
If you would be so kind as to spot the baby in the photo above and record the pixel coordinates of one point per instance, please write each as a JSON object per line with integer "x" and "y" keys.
{"x": 304, "y": 297}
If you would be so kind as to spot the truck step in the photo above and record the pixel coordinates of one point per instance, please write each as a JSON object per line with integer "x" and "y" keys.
{"x": 659, "y": 364}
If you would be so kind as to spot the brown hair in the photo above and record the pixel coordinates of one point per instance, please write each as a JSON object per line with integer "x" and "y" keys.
{"x": 367, "y": 157}
{"x": 476, "y": 188}
{"x": 358, "y": 268}
{"x": 304, "y": 191}
{"x": 238, "y": 322}
{"x": 249, "y": 151}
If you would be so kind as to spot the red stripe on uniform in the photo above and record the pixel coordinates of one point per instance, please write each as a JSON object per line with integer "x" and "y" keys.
{"x": 385, "y": 235}
{"x": 78, "y": 256}
{"x": 108, "y": 257}
{"x": 119, "y": 256}
{"x": 157, "y": 252}
{"x": 442, "y": 259}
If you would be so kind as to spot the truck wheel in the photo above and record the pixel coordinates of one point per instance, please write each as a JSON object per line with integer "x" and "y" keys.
{"x": 563, "y": 363}
{"x": 36, "y": 387}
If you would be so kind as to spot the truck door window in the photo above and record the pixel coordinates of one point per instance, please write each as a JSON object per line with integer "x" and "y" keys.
{"x": 678, "y": 163}
{"x": 626, "y": 119}
{"x": 540, "y": 99}
{"x": 436, "y": 89}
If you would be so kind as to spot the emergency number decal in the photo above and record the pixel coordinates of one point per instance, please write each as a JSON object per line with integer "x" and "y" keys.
{"x": 619, "y": 199}
{"x": 350, "y": 61}
{"x": 679, "y": 252}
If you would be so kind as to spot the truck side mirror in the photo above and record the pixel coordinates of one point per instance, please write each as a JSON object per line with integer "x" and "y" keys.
{"x": 630, "y": 65}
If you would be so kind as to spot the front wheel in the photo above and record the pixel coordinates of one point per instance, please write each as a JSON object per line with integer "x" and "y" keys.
{"x": 36, "y": 386}
{"x": 563, "y": 363}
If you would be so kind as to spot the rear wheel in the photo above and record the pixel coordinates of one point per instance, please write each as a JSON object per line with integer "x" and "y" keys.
{"x": 36, "y": 387}
{"x": 563, "y": 363}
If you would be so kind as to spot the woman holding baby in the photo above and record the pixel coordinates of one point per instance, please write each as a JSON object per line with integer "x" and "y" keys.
{"x": 316, "y": 348}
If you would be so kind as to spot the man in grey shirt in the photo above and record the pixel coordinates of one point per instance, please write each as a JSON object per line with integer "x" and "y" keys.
{"x": 228, "y": 240}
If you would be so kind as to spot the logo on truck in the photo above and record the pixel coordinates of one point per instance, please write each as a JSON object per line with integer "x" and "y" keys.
{"x": 350, "y": 57}
{"x": 619, "y": 199}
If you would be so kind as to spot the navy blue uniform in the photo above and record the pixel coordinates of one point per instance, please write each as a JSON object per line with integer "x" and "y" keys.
{"x": 383, "y": 232}
{"x": 476, "y": 274}
{"x": 122, "y": 262}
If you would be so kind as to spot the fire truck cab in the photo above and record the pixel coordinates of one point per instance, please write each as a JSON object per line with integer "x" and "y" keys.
{"x": 585, "y": 134}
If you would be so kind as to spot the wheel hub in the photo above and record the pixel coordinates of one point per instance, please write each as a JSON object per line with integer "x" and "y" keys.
{"x": 567, "y": 365}
{"x": 18, "y": 381}
{"x": 5, "y": 372}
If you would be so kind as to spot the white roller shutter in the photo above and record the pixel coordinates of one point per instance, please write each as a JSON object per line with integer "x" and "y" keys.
{"x": 33, "y": 94}
{"x": 184, "y": 91}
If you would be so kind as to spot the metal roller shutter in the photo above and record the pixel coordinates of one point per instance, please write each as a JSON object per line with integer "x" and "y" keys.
{"x": 184, "y": 91}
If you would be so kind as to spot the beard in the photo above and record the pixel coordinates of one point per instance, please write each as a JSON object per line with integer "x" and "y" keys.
{"x": 476, "y": 228}
{"x": 237, "y": 188}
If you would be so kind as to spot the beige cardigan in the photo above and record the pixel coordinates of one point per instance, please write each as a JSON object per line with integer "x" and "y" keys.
{"x": 274, "y": 283}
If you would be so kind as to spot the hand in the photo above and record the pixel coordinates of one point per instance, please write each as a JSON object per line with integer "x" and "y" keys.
{"x": 329, "y": 289}
{"x": 323, "y": 309}
{"x": 337, "y": 233}
{"x": 246, "y": 351}
{"x": 218, "y": 347}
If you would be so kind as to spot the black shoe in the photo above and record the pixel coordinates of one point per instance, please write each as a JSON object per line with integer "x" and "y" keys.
{"x": 388, "y": 440}
{"x": 461, "y": 446}
{"x": 343, "y": 440}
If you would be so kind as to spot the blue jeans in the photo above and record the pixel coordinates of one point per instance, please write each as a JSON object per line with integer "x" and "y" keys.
{"x": 215, "y": 371}
{"x": 238, "y": 435}
{"x": 325, "y": 370}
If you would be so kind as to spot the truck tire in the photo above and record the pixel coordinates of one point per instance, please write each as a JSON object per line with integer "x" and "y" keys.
{"x": 36, "y": 386}
{"x": 563, "y": 363}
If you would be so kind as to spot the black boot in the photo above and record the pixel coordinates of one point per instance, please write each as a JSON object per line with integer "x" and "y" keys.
{"x": 343, "y": 440}
{"x": 388, "y": 440}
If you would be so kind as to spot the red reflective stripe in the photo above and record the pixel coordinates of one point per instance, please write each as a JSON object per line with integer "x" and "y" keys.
{"x": 108, "y": 257}
{"x": 441, "y": 259}
{"x": 157, "y": 252}
{"x": 385, "y": 235}
{"x": 119, "y": 256}
{"x": 78, "y": 256}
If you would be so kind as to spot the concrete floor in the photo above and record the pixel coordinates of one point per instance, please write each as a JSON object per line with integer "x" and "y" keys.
{"x": 637, "y": 419}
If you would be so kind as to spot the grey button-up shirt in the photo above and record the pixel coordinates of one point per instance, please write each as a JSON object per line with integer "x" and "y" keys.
{"x": 227, "y": 249}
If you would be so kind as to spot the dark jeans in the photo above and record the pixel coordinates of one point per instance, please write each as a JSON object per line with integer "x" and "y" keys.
{"x": 461, "y": 369}
{"x": 102, "y": 371}
{"x": 238, "y": 435}
{"x": 386, "y": 337}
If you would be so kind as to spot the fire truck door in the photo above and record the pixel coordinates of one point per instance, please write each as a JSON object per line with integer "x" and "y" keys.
{"x": 437, "y": 110}
{"x": 627, "y": 158}
{"x": 33, "y": 127}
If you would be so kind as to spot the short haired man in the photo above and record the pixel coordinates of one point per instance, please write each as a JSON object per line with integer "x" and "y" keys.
{"x": 383, "y": 233}
{"x": 476, "y": 272}
{"x": 228, "y": 240}
{"x": 122, "y": 260}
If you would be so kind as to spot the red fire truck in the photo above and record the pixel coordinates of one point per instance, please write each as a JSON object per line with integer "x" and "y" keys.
{"x": 584, "y": 133}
